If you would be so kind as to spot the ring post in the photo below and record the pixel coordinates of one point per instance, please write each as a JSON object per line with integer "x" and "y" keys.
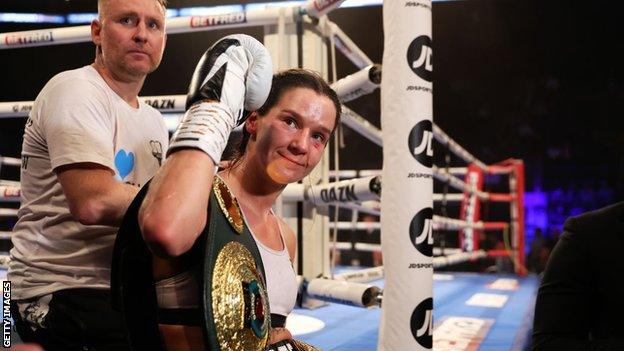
{"x": 407, "y": 195}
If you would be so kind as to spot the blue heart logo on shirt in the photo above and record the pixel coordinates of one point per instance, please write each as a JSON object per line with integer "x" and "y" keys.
{"x": 124, "y": 162}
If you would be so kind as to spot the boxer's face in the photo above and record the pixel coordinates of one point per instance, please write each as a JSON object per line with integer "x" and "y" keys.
{"x": 131, "y": 34}
{"x": 290, "y": 139}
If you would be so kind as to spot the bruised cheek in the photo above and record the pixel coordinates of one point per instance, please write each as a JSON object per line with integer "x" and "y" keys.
{"x": 276, "y": 171}
{"x": 276, "y": 167}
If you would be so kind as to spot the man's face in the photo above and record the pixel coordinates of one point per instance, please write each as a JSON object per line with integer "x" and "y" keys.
{"x": 131, "y": 34}
{"x": 291, "y": 138}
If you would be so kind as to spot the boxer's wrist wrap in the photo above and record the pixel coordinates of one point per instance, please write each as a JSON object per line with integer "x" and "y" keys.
{"x": 206, "y": 126}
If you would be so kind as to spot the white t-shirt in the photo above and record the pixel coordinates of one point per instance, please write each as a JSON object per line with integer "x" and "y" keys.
{"x": 76, "y": 118}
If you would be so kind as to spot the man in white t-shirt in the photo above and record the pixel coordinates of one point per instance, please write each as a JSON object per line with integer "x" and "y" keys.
{"x": 89, "y": 144}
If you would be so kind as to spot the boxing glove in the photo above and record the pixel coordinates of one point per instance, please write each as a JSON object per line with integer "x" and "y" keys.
{"x": 232, "y": 76}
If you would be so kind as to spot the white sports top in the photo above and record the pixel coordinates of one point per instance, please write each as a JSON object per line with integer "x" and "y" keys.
{"x": 281, "y": 280}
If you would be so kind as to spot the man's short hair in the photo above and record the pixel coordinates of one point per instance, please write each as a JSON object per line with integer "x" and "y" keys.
{"x": 100, "y": 3}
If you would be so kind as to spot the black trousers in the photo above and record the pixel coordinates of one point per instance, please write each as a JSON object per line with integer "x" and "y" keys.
{"x": 78, "y": 319}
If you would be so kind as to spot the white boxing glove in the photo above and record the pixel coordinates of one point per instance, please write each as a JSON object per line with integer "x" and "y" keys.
{"x": 232, "y": 76}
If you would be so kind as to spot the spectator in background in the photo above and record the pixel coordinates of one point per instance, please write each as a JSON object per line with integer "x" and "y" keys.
{"x": 537, "y": 245}
{"x": 579, "y": 304}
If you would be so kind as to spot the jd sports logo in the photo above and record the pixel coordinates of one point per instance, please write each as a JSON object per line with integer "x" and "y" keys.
{"x": 420, "y": 142}
{"x": 421, "y": 323}
{"x": 419, "y": 57}
{"x": 421, "y": 231}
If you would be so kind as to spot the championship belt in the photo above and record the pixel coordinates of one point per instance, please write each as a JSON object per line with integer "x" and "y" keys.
{"x": 233, "y": 310}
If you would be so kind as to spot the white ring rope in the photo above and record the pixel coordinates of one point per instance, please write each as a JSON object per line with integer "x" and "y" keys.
{"x": 9, "y": 193}
{"x": 10, "y": 161}
{"x": 12, "y": 183}
{"x": 80, "y": 34}
{"x": 443, "y": 261}
{"x": 347, "y": 46}
{"x": 318, "y": 8}
{"x": 361, "y": 125}
{"x": 8, "y": 212}
{"x": 351, "y": 190}
{"x": 367, "y": 207}
{"x": 375, "y": 273}
{"x": 444, "y": 139}
{"x": 455, "y": 197}
{"x": 368, "y": 247}
{"x": 354, "y": 173}
{"x": 362, "y": 276}
{"x": 355, "y": 193}
{"x": 360, "y": 83}
{"x": 347, "y": 88}
{"x": 457, "y": 183}
{"x": 4, "y": 261}
{"x": 163, "y": 103}
{"x": 440, "y": 222}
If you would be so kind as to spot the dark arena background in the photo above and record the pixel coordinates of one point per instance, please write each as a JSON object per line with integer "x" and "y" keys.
{"x": 540, "y": 81}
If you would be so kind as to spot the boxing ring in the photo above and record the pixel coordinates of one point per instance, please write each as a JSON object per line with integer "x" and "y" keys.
{"x": 468, "y": 311}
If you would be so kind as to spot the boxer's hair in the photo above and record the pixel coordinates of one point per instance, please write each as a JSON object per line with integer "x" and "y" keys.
{"x": 100, "y": 6}
{"x": 283, "y": 82}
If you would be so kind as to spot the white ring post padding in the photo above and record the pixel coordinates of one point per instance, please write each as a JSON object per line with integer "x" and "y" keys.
{"x": 444, "y": 139}
{"x": 8, "y": 212}
{"x": 10, "y": 161}
{"x": 79, "y": 34}
{"x": 318, "y": 8}
{"x": 358, "y": 123}
{"x": 343, "y": 292}
{"x": 362, "y": 82}
{"x": 407, "y": 104}
{"x": 362, "y": 275}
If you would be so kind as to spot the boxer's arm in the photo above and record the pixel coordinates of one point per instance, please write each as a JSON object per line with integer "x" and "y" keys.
{"x": 233, "y": 75}
{"x": 93, "y": 195}
{"x": 173, "y": 213}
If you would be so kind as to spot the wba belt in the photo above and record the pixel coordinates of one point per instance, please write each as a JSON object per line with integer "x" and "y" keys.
{"x": 233, "y": 311}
